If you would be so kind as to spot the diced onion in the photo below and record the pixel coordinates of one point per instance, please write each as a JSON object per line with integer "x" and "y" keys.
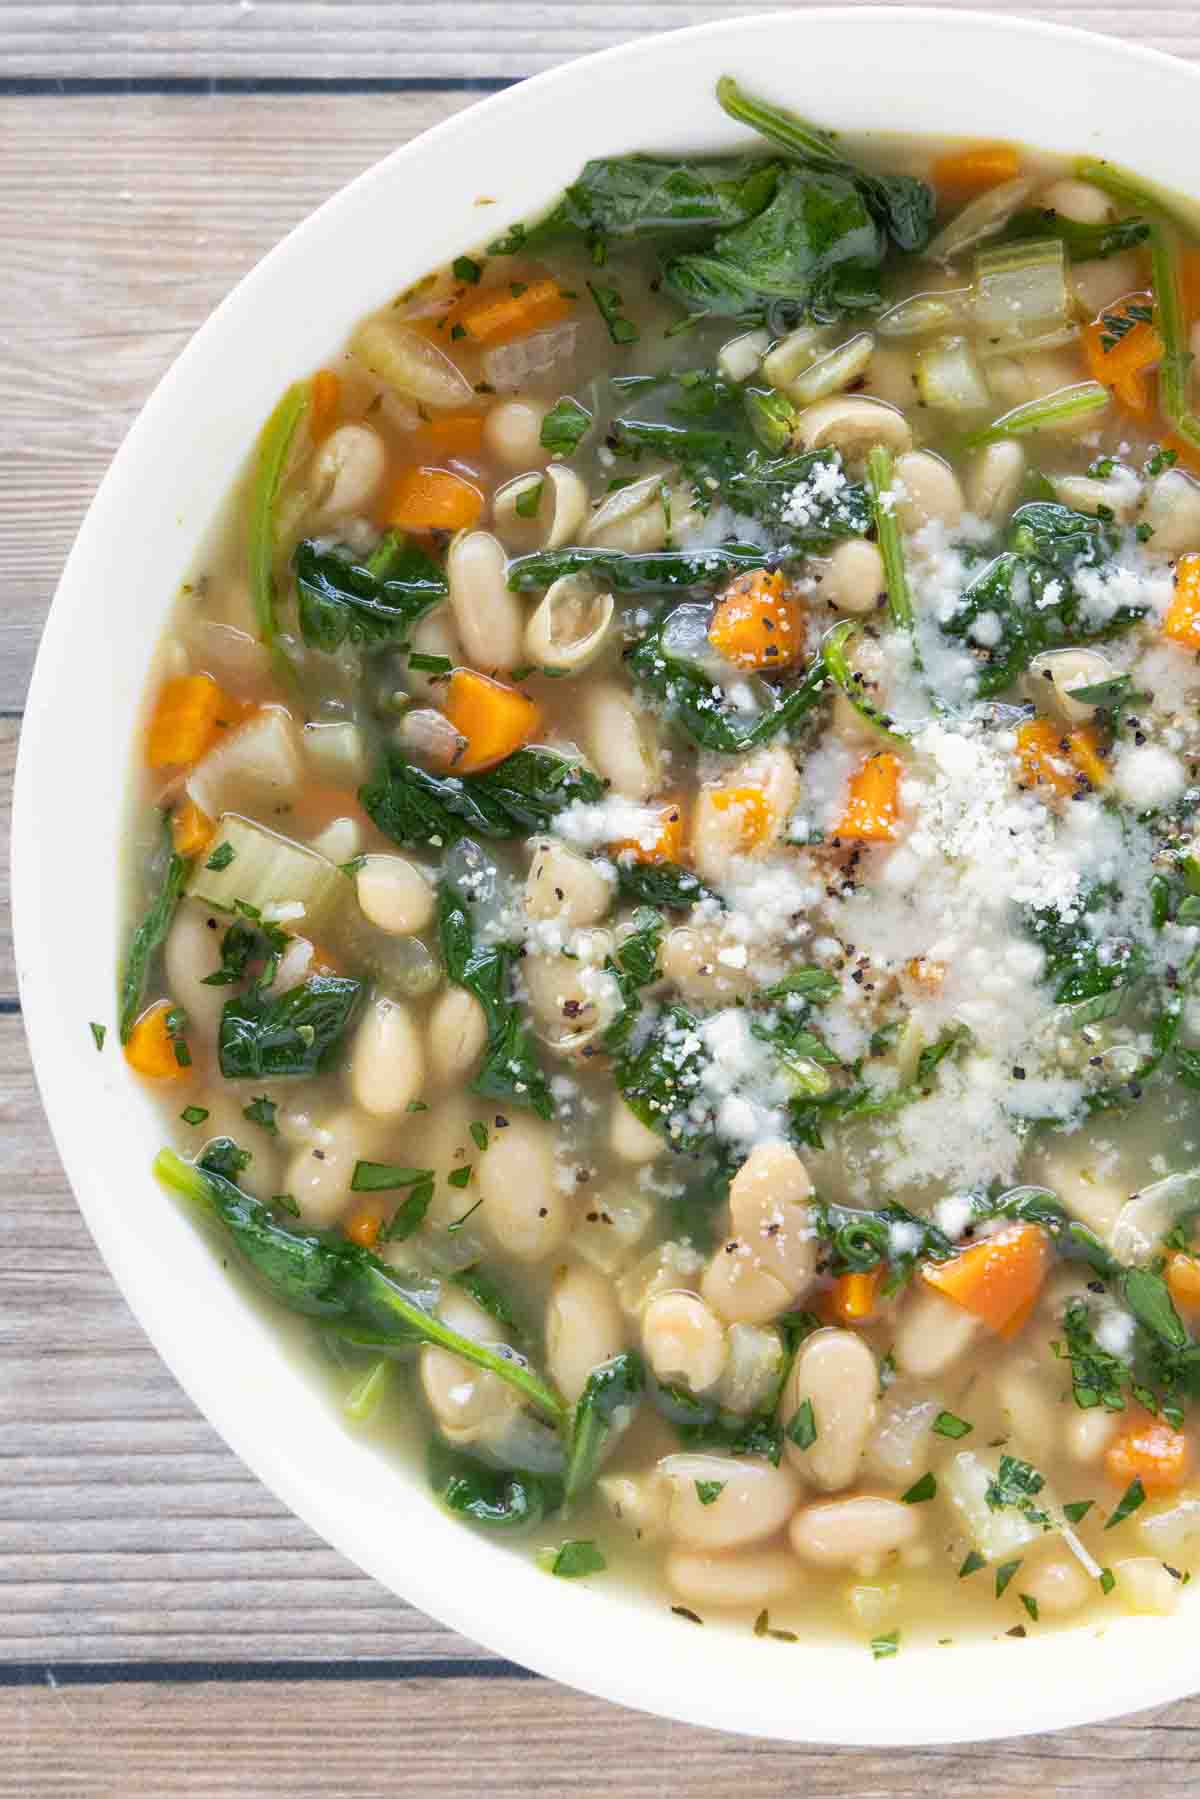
{"x": 509, "y": 366}
{"x": 742, "y": 356}
{"x": 1021, "y": 292}
{"x": 979, "y": 219}
{"x": 949, "y": 379}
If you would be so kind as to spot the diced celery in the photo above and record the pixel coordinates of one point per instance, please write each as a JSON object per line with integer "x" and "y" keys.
{"x": 267, "y": 872}
{"x": 742, "y": 356}
{"x": 834, "y": 372}
{"x": 995, "y": 1533}
{"x": 1021, "y": 291}
{"x": 948, "y": 377}
{"x": 793, "y": 354}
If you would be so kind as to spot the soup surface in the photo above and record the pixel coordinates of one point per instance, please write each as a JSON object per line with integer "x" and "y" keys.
{"x": 666, "y": 907}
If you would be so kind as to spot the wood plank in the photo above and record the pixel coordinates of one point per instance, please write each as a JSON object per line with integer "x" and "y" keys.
{"x": 413, "y": 38}
{"x": 459, "y": 1738}
{"x": 126, "y": 220}
{"x": 9, "y": 728}
{"x": 127, "y": 1528}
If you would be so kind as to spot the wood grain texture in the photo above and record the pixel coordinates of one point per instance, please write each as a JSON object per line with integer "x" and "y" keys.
{"x": 472, "y": 39}
{"x": 465, "y": 1738}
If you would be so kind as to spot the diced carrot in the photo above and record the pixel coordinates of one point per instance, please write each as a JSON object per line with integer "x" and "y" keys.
{"x": 324, "y": 399}
{"x": 1182, "y": 622}
{"x": 494, "y": 719}
{"x": 972, "y": 171}
{"x": 187, "y": 716}
{"x": 362, "y": 1226}
{"x": 757, "y": 623}
{"x": 453, "y": 434}
{"x": 1149, "y": 1451}
{"x": 754, "y": 814}
{"x": 1054, "y": 758}
{"x": 191, "y": 829}
{"x": 1121, "y": 347}
{"x": 855, "y": 1295}
{"x": 1183, "y": 1280}
{"x": 431, "y": 499}
{"x": 873, "y": 803}
{"x": 997, "y": 1279}
{"x": 494, "y": 315}
{"x": 667, "y": 843}
{"x": 152, "y": 1051}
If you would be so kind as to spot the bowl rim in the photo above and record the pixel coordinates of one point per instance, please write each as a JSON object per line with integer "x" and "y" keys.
{"x": 593, "y": 1643}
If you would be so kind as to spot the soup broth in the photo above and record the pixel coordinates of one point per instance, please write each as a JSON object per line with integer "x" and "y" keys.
{"x": 664, "y": 902}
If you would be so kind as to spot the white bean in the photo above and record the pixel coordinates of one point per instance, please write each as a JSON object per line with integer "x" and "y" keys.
{"x": 512, "y": 433}
{"x": 739, "y": 1289}
{"x": 684, "y": 1341}
{"x": 931, "y": 491}
{"x": 563, "y": 884}
{"x": 1033, "y": 1418}
{"x": 1171, "y": 509}
{"x": 639, "y": 1502}
{"x": 1054, "y": 673}
{"x": 836, "y": 1374}
{"x": 464, "y": 1399}
{"x": 994, "y": 477}
{"x": 319, "y": 1174}
{"x": 1057, "y": 1584}
{"x": 1143, "y": 1585}
{"x": 193, "y": 950}
{"x": 523, "y": 1210}
{"x": 584, "y": 1327}
{"x": 573, "y": 998}
{"x": 1078, "y": 201}
{"x": 1106, "y": 278}
{"x": 768, "y": 1211}
{"x": 457, "y": 1034}
{"x": 898, "y": 1453}
{"x": 891, "y": 377}
{"x": 489, "y": 619}
{"x": 225, "y": 1102}
{"x": 619, "y": 740}
{"x": 631, "y": 1140}
{"x": 395, "y": 894}
{"x": 1090, "y": 1433}
{"x": 347, "y": 470}
{"x": 932, "y": 1333}
{"x": 724, "y": 827}
{"x": 754, "y": 1501}
{"x": 692, "y": 962}
{"x": 853, "y": 578}
{"x": 387, "y": 1063}
{"x": 837, "y": 1533}
{"x": 751, "y": 1579}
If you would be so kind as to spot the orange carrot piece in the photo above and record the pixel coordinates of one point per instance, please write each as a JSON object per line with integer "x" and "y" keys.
{"x": 1054, "y": 758}
{"x": 191, "y": 829}
{"x": 753, "y": 813}
{"x": 667, "y": 844}
{"x": 1149, "y": 1451}
{"x": 363, "y": 1226}
{"x": 494, "y": 315}
{"x": 494, "y": 719}
{"x": 324, "y": 399}
{"x": 187, "y": 716}
{"x": 1183, "y": 1280}
{"x": 757, "y": 623}
{"x": 855, "y": 1295}
{"x": 1182, "y": 623}
{"x": 453, "y": 434}
{"x": 873, "y": 803}
{"x": 151, "y": 1050}
{"x": 972, "y": 171}
{"x": 431, "y": 499}
{"x": 997, "y": 1279}
{"x": 1121, "y": 347}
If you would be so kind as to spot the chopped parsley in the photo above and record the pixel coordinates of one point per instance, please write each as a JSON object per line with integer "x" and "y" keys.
{"x": 882, "y": 1647}
{"x": 1017, "y": 1483}
{"x": 1004, "y": 1574}
{"x": 920, "y": 1491}
{"x": 573, "y": 1559}
{"x": 221, "y": 857}
{"x": 1133, "y": 1496}
{"x": 465, "y": 268}
{"x": 99, "y": 1033}
{"x": 709, "y": 1491}
{"x": 565, "y": 426}
{"x": 802, "y": 1426}
{"x": 262, "y": 1111}
{"x": 194, "y": 1114}
{"x": 946, "y": 1424}
{"x": 529, "y": 499}
{"x": 972, "y": 1563}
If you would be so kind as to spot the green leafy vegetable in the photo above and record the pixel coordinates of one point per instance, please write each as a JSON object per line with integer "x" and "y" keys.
{"x": 972, "y": 1563}
{"x": 709, "y": 1491}
{"x": 623, "y": 571}
{"x": 701, "y": 710}
{"x": 327, "y": 1276}
{"x": 1017, "y": 1483}
{"x": 99, "y": 1033}
{"x": 834, "y": 646}
{"x": 947, "y": 1424}
{"x": 221, "y": 857}
{"x": 880, "y": 476}
{"x": 273, "y": 447}
{"x": 565, "y": 426}
{"x": 886, "y": 1645}
{"x": 621, "y": 330}
{"x": 509, "y": 1069}
{"x": 664, "y": 884}
{"x": 801, "y": 1428}
{"x": 1133, "y": 1497}
{"x": 501, "y": 1499}
{"x": 385, "y": 1177}
{"x": 574, "y": 1559}
{"x": 150, "y": 935}
{"x": 642, "y": 198}
{"x": 194, "y": 1114}
{"x": 338, "y": 598}
{"x": 292, "y": 1036}
{"x": 516, "y": 798}
{"x": 262, "y": 1111}
{"x": 605, "y": 1408}
{"x": 1084, "y": 243}
{"x": 1004, "y": 1574}
{"x": 921, "y": 1490}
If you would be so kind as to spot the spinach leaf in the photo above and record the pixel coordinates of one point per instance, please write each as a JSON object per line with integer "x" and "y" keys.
{"x": 293, "y": 1035}
{"x": 150, "y": 935}
{"x": 699, "y": 707}
{"x": 664, "y": 884}
{"x": 274, "y": 444}
{"x": 1083, "y": 242}
{"x": 565, "y": 426}
{"x": 605, "y": 1407}
{"x": 509, "y": 1069}
{"x": 325, "y": 1275}
{"x": 519, "y": 796}
{"x": 633, "y": 199}
{"x": 859, "y": 1241}
{"x": 501, "y": 1499}
{"x": 660, "y": 1081}
{"x": 634, "y": 966}
{"x": 337, "y": 597}
{"x": 814, "y": 252}
{"x": 702, "y": 1424}
{"x": 1082, "y": 963}
{"x": 658, "y": 571}
{"x": 1030, "y": 591}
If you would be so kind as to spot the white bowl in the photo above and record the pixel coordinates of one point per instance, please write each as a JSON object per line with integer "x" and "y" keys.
{"x": 919, "y": 70}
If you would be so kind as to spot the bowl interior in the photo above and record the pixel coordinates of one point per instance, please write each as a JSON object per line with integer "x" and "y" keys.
{"x": 922, "y": 70}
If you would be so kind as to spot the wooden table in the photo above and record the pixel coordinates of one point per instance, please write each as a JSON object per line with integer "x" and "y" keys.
{"x": 165, "y": 1626}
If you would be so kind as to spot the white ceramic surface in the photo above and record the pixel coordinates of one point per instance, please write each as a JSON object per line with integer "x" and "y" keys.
{"x": 918, "y": 69}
